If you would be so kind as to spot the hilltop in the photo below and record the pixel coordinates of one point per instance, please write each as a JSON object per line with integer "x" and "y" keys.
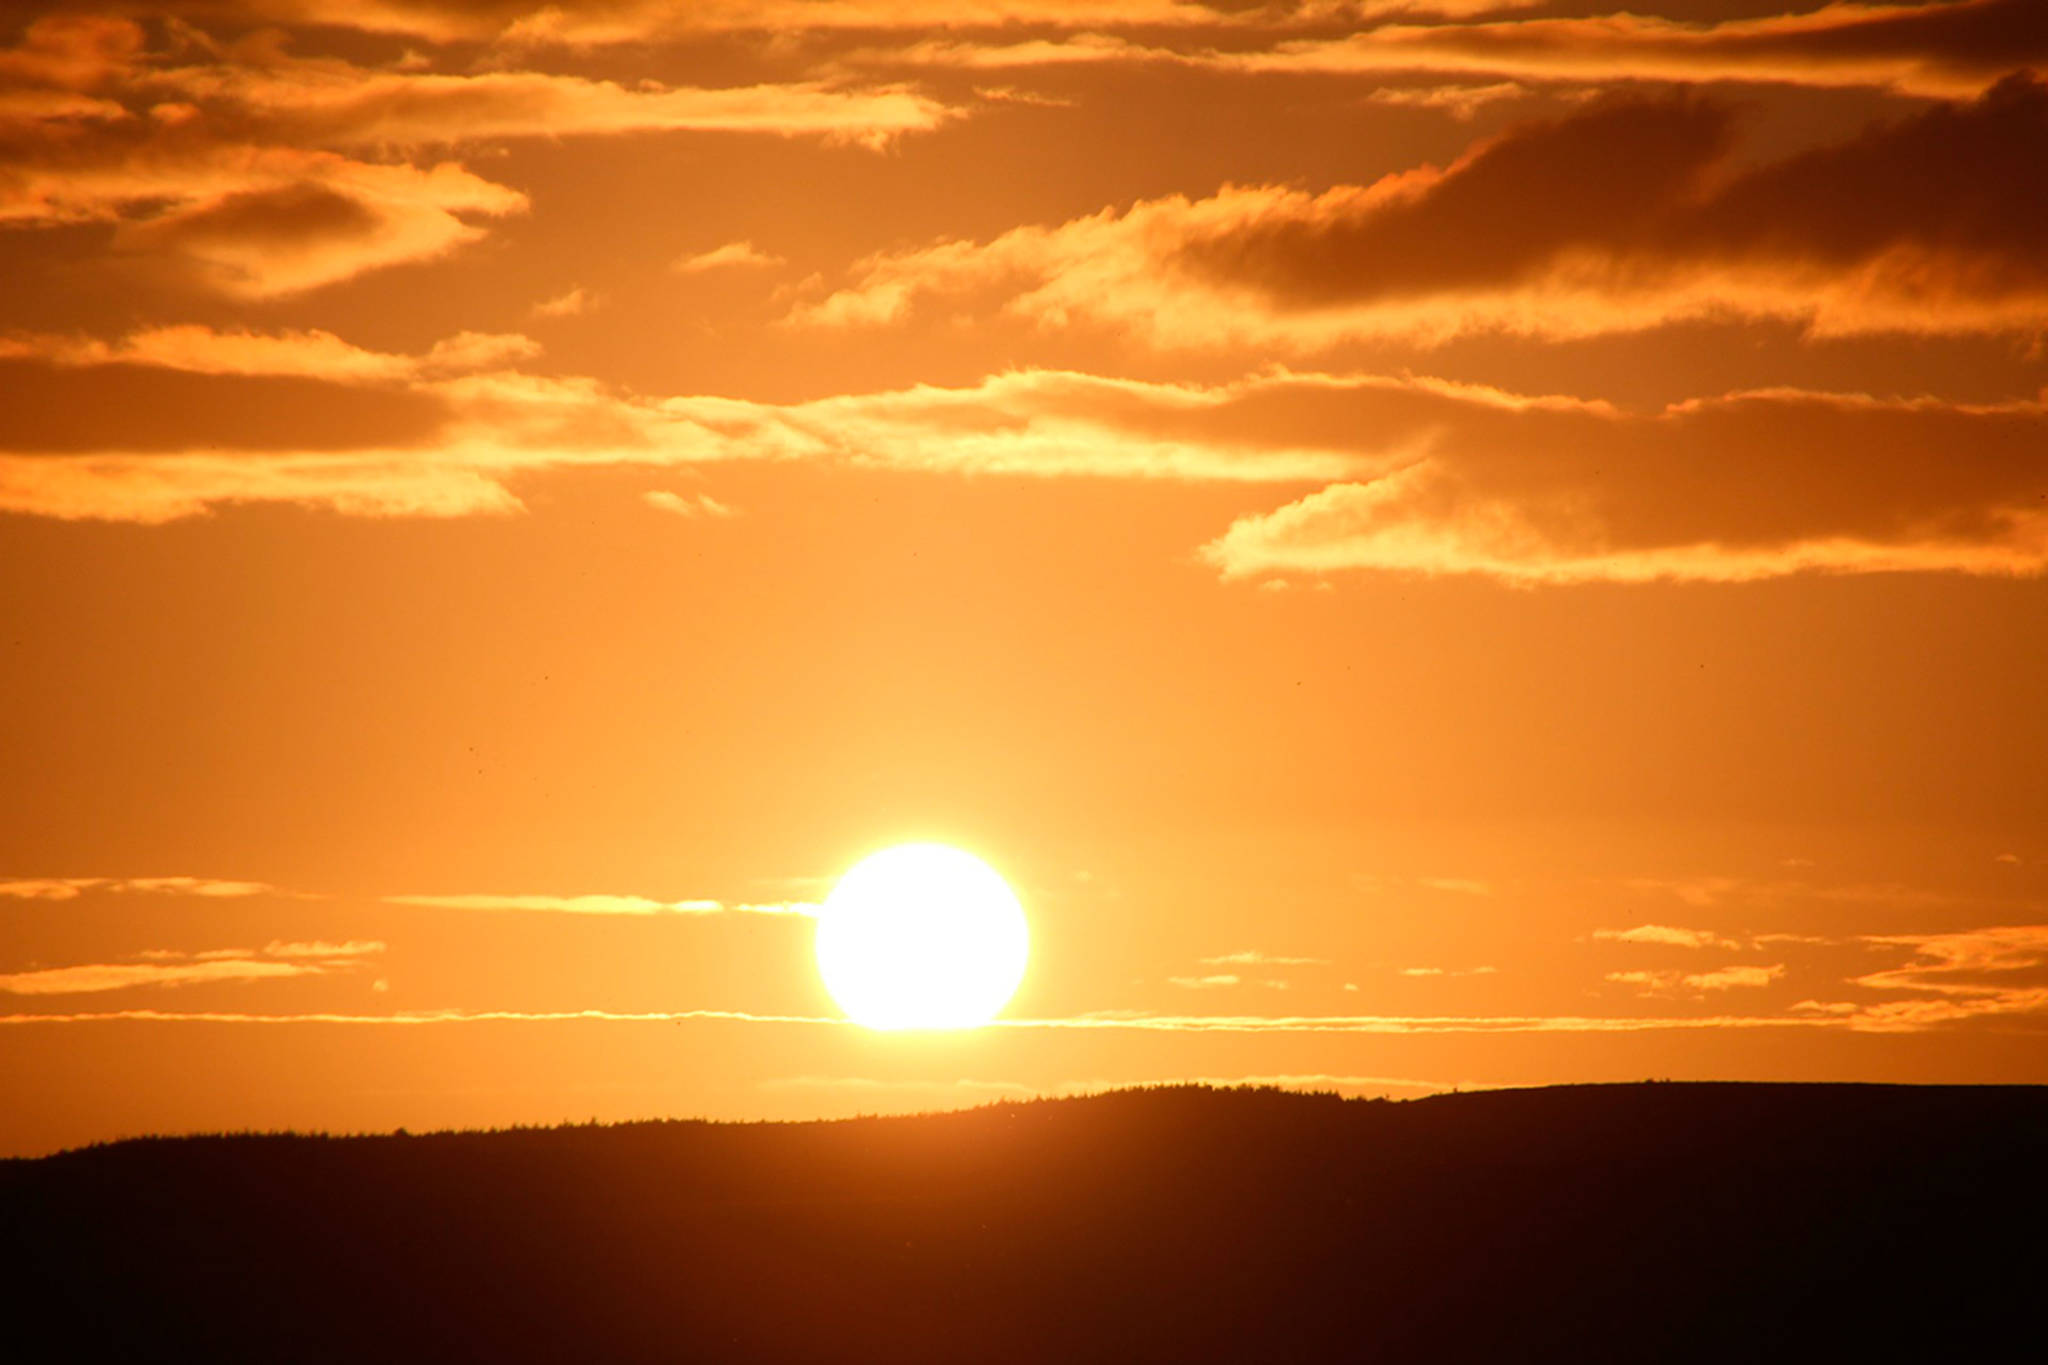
{"x": 1657, "y": 1222}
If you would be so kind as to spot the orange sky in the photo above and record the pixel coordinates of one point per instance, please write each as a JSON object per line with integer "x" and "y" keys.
{"x": 1435, "y": 543}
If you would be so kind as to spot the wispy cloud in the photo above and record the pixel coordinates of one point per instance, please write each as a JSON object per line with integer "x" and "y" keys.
{"x": 171, "y": 967}
{"x": 1458, "y": 886}
{"x": 1972, "y": 973}
{"x": 1936, "y": 48}
{"x": 1254, "y": 958}
{"x": 419, "y": 1018}
{"x": 687, "y": 504}
{"x": 239, "y": 168}
{"x": 1403, "y": 1024}
{"x": 970, "y": 1090}
{"x": 1448, "y": 971}
{"x": 516, "y": 25}
{"x": 1928, "y": 225}
{"x": 69, "y": 888}
{"x": 1112, "y": 1021}
{"x": 604, "y": 905}
{"x": 1667, "y": 982}
{"x": 568, "y": 304}
{"x": 1667, "y": 935}
{"x": 303, "y": 354}
{"x": 1463, "y": 886}
{"x": 731, "y": 256}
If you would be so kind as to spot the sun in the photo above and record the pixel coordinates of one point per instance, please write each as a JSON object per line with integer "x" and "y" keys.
{"x": 922, "y": 936}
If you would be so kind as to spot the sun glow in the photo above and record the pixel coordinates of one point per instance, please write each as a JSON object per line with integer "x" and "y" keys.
{"x": 922, "y": 936}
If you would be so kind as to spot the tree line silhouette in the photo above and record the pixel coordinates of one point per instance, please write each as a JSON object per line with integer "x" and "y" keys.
{"x": 1655, "y": 1222}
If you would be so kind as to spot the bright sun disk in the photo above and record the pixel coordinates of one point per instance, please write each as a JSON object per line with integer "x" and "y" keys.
{"x": 922, "y": 936}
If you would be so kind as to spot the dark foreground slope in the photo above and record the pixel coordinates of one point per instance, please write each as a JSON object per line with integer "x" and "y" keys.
{"x": 1637, "y": 1223}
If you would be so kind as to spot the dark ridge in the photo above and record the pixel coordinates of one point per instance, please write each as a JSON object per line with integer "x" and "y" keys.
{"x": 1657, "y": 1222}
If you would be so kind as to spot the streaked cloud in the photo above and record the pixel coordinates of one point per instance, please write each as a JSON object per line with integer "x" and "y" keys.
{"x": 1967, "y": 962}
{"x": 466, "y": 436}
{"x": 69, "y": 888}
{"x": 1447, "y": 971}
{"x": 1668, "y": 935}
{"x": 233, "y": 166}
{"x": 168, "y": 967}
{"x": 518, "y": 24}
{"x": 1210, "y": 982}
{"x": 1954, "y": 977}
{"x": 191, "y": 348}
{"x": 323, "y": 950}
{"x": 1929, "y": 224}
{"x": 1117, "y": 1021}
{"x": 1461, "y": 886}
{"x": 969, "y": 1090}
{"x": 1459, "y": 101}
{"x": 419, "y": 1018}
{"x": 604, "y": 905}
{"x": 1254, "y": 958}
{"x": 1375, "y": 883}
{"x": 568, "y": 304}
{"x": 1719, "y": 979}
{"x": 1944, "y": 48}
{"x": 1434, "y": 477}
{"x": 731, "y": 256}
{"x": 1402, "y": 1024}
{"x": 687, "y": 504}
{"x": 1731, "y": 978}
{"x": 1627, "y": 498}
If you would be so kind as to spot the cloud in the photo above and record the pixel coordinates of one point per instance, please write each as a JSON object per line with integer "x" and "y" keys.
{"x": 1941, "y": 49}
{"x": 1934, "y": 224}
{"x": 1730, "y": 978}
{"x": 1412, "y": 1024}
{"x": 1958, "y": 976}
{"x": 1462, "y": 886}
{"x": 1198, "y": 983}
{"x": 1694, "y": 891}
{"x": 69, "y": 888}
{"x": 287, "y": 238}
{"x": 310, "y": 354}
{"x": 980, "y": 1091}
{"x": 1969, "y": 962}
{"x": 731, "y": 256}
{"x": 1459, "y": 101}
{"x": 1254, "y": 958}
{"x": 1114, "y": 1021}
{"x": 238, "y": 173}
{"x": 1448, "y": 971}
{"x": 566, "y": 305}
{"x": 323, "y": 950}
{"x": 1561, "y": 494}
{"x": 1432, "y": 477}
{"x": 687, "y": 504}
{"x": 421, "y": 1018}
{"x": 1459, "y": 886}
{"x": 595, "y": 23}
{"x": 121, "y": 976}
{"x": 171, "y": 967}
{"x": 1668, "y": 935}
{"x": 464, "y": 437}
{"x": 604, "y": 905}
{"x": 1721, "y": 979}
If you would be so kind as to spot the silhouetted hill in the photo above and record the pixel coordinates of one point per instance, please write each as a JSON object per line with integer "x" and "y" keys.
{"x": 1593, "y": 1223}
